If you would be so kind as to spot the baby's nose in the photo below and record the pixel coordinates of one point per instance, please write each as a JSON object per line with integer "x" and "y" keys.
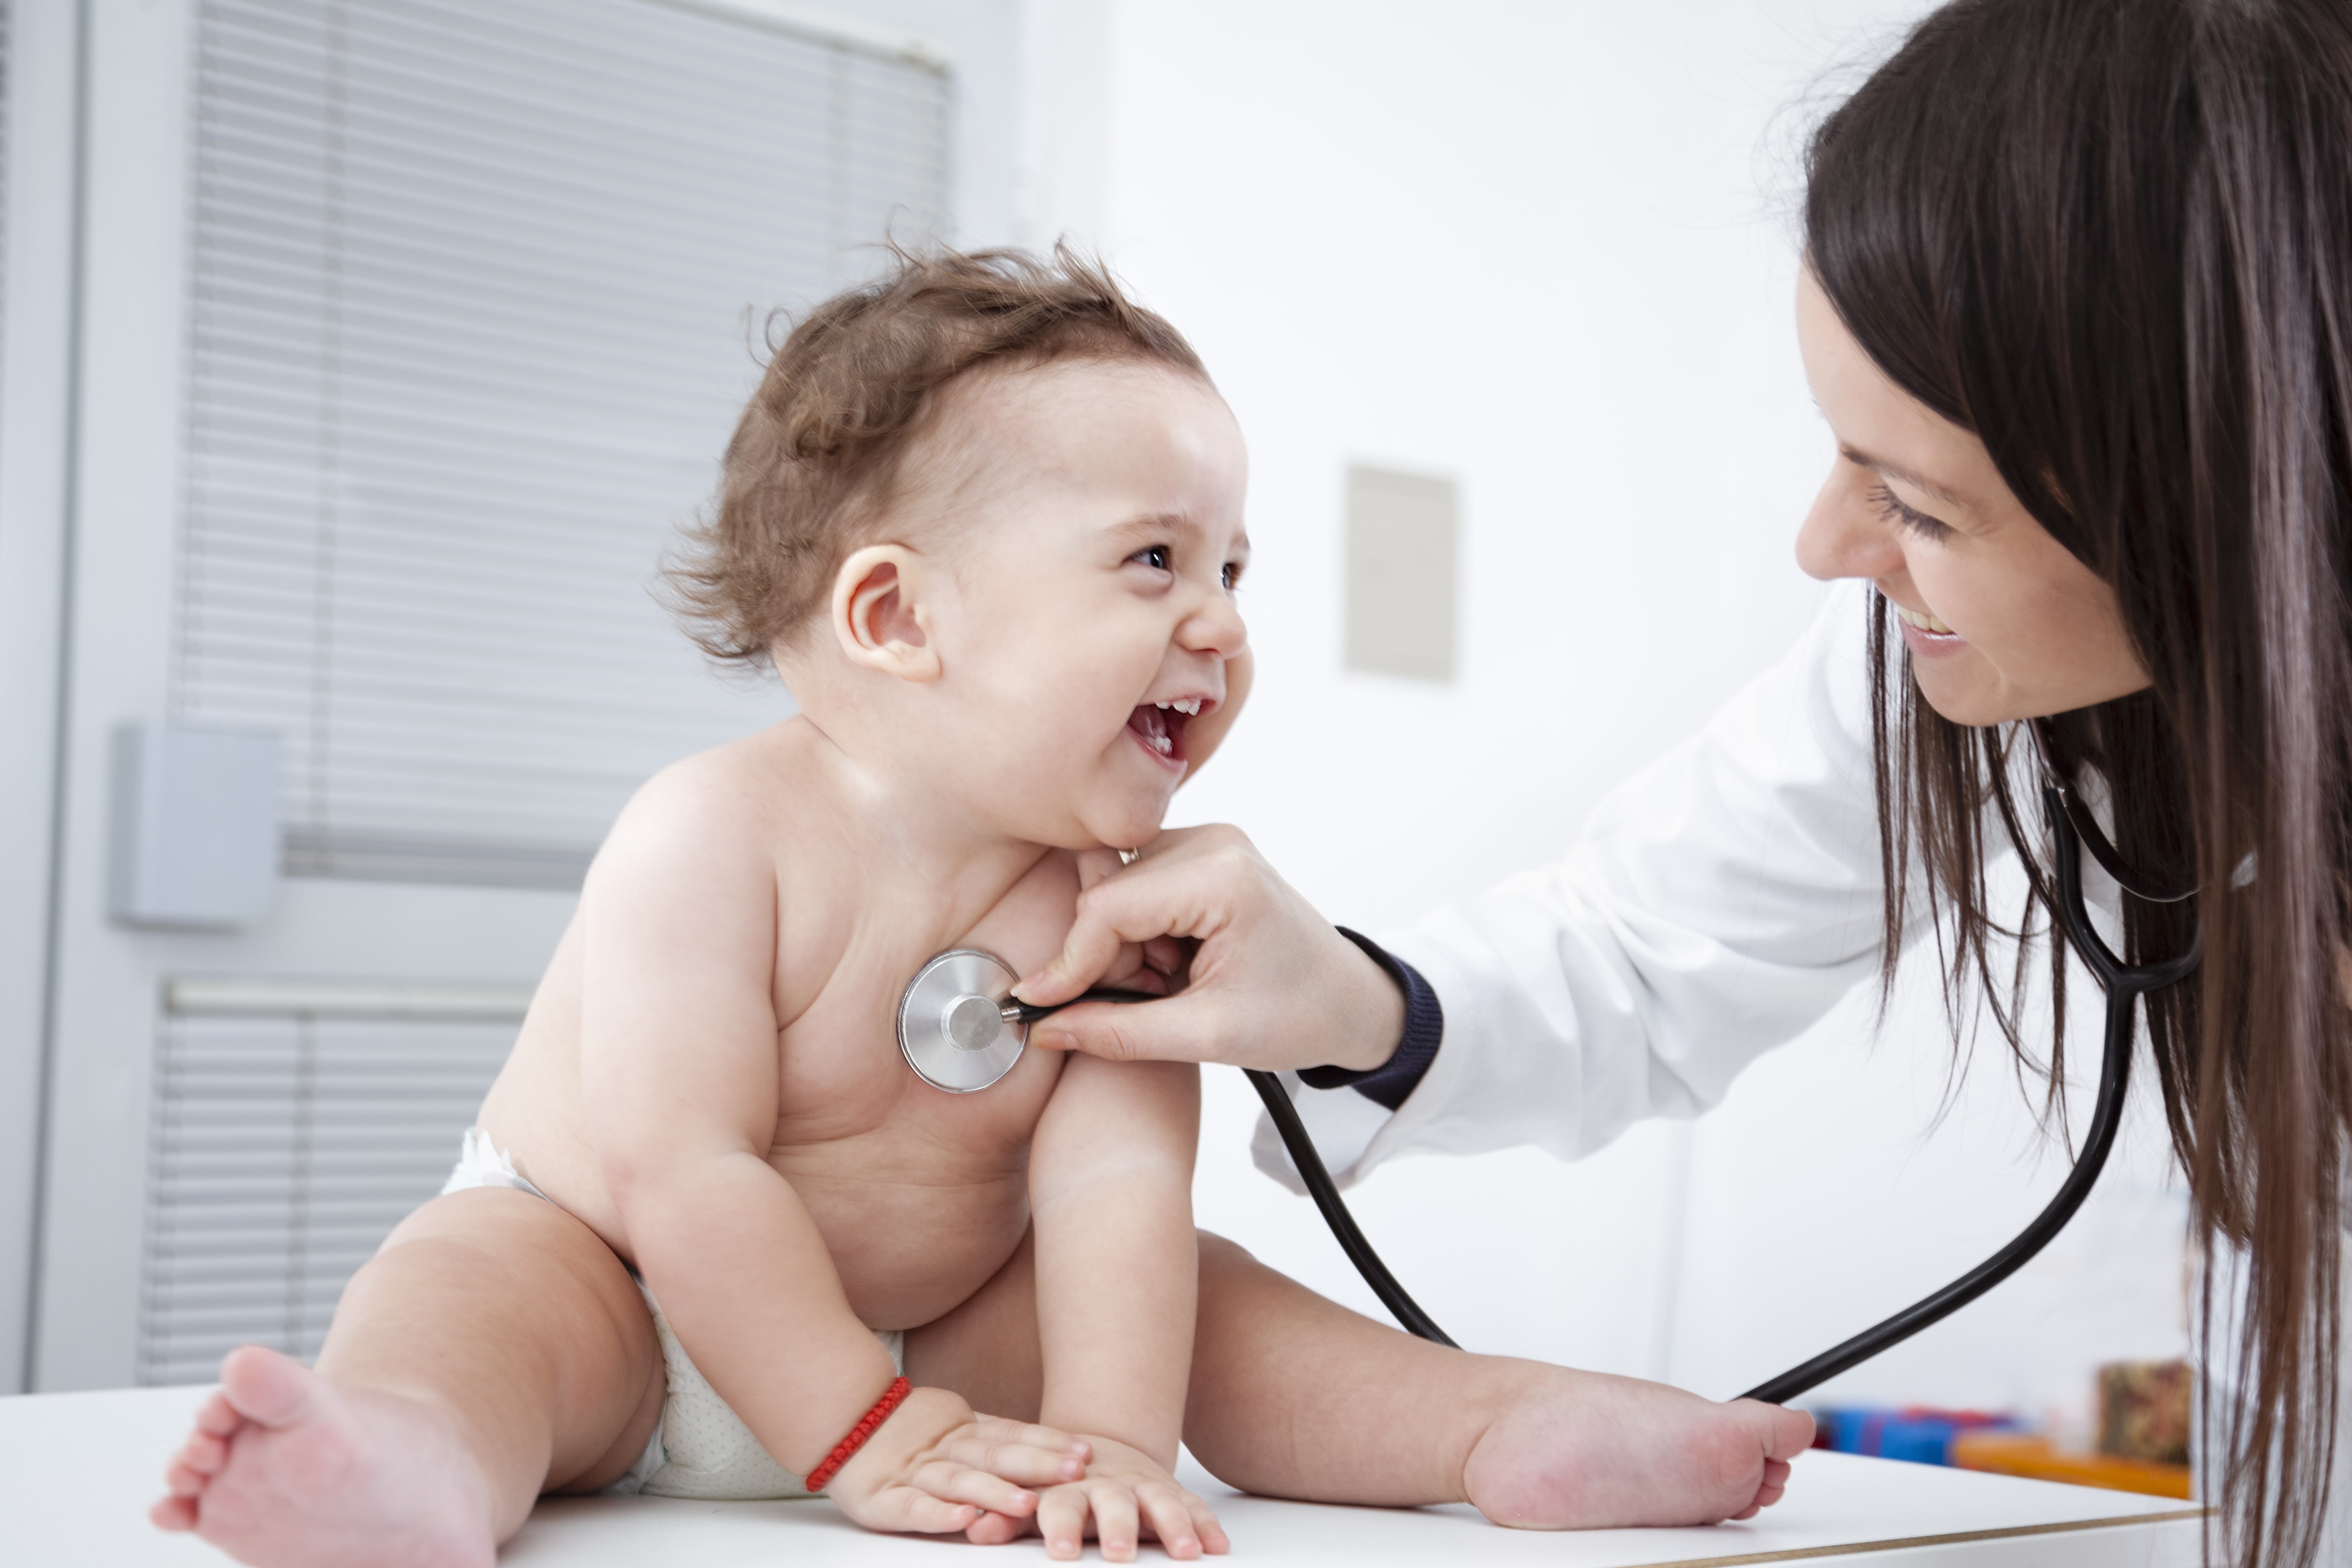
{"x": 1216, "y": 629}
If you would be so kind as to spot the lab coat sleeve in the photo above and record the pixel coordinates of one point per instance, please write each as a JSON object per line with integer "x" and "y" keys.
{"x": 1718, "y": 902}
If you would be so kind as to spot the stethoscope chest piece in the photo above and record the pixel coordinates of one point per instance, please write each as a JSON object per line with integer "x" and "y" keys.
{"x": 952, "y": 1023}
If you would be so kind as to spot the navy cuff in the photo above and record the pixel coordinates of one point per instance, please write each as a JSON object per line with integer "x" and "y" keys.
{"x": 1424, "y": 1026}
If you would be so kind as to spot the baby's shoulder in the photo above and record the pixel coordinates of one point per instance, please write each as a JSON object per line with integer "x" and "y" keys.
{"x": 716, "y": 815}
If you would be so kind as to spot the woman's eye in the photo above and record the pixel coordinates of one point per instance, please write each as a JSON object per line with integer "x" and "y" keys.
{"x": 1890, "y": 507}
{"x": 1158, "y": 557}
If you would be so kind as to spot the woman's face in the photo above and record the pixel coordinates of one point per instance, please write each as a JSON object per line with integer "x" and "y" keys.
{"x": 2002, "y": 621}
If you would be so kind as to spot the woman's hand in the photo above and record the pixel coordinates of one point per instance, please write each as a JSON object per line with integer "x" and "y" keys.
{"x": 1265, "y": 980}
{"x": 1126, "y": 1496}
{"x": 934, "y": 1467}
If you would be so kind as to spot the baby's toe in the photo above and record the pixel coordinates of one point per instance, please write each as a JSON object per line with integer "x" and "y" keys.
{"x": 219, "y": 1416}
{"x": 174, "y": 1513}
{"x": 204, "y": 1453}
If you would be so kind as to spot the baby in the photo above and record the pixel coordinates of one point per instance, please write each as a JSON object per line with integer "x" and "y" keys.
{"x": 986, "y": 518}
{"x": 713, "y": 1237}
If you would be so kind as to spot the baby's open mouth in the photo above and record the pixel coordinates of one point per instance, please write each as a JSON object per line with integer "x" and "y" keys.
{"x": 1158, "y": 727}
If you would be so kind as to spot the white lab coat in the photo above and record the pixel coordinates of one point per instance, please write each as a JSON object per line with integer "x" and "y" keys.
{"x": 1719, "y": 902}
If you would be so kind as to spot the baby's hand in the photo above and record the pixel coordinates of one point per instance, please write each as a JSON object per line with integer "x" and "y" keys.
{"x": 935, "y": 1467}
{"x": 1127, "y": 1494}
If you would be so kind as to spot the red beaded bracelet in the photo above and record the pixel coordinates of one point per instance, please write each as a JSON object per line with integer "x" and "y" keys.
{"x": 867, "y": 1425}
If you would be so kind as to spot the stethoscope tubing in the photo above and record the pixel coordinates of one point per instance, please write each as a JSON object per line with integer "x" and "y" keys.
{"x": 2125, "y": 986}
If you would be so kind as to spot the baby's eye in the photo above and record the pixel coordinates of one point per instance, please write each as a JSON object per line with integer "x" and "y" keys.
{"x": 1158, "y": 557}
{"x": 1232, "y": 576}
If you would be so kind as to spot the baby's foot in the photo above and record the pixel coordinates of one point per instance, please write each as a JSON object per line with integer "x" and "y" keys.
{"x": 283, "y": 1469}
{"x": 1576, "y": 1450}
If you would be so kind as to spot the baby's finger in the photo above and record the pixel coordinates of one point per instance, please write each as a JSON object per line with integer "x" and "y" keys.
{"x": 995, "y": 1530}
{"x": 1022, "y": 1464}
{"x": 1116, "y": 1524}
{"x": 1164, "y": 1510}
{"x": 953, "y": 1482}
{"x": 1213, "y": 1539}
{"x": 916, "y": 1511}
{"x": 1001, "y": 1429}
{"x": 1061, "y": 1520}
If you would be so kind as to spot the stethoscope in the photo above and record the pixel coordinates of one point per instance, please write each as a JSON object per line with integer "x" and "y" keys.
{"x": 961, "y": 1031}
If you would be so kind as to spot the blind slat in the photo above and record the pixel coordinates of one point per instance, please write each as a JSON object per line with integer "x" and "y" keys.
{"x": 283, "y": 1150}
{"x": 473, "y": 289}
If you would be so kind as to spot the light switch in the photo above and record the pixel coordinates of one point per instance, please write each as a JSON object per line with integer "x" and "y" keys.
{"x": 195, "y": 826}
{"x": 1402, "y": 533}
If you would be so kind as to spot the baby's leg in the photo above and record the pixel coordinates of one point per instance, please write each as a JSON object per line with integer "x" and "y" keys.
{"x": 493, "y": 1350}
{"x": 1294, "y": 1395}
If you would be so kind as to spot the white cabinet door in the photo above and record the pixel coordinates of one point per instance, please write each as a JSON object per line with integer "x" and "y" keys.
{"x": 411, "y": 331}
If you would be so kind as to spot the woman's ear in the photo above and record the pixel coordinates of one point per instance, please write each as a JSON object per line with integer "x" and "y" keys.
{"x": 879, "y": 615}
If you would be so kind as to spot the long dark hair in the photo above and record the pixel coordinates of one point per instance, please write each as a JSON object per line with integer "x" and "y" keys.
{"x": 2114, "y": 238}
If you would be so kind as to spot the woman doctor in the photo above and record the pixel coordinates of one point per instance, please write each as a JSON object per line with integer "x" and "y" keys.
{"x": 2077, "y": 309}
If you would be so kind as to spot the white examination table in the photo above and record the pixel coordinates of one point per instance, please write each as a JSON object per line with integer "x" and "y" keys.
{"x": 78, "y": 1471}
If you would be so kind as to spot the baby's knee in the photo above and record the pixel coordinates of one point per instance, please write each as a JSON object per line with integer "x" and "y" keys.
{"x": 1217, "y": 1252}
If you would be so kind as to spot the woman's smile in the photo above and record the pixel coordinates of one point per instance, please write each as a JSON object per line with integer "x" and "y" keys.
{"x": 1925, "y": 633}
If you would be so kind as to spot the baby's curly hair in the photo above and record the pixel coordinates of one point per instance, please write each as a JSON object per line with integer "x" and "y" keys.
{"x": 813, "y": 463}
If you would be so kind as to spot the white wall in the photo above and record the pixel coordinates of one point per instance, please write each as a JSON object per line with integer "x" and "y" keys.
{"x": 1544, "y": 248}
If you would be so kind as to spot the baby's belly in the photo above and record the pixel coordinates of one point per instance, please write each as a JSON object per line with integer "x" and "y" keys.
{"x": 909, "y": 1249}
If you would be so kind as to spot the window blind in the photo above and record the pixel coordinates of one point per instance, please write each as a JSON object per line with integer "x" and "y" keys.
{"x": 284, "y": 1150}
{"x": 476, "y": 291}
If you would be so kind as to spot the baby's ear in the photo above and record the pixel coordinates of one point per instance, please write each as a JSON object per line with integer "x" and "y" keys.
{"x": 879, "y": 617}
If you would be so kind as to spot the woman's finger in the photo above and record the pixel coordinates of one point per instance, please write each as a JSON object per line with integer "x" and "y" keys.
{"x": 1178, "y": 891}
{"x": 1270, "y": 982}
{"x": 1095, "y": 865}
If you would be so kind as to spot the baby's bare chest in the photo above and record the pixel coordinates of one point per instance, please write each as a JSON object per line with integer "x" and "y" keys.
{"x": 920, "y": 1194}
{"x": 846, "y": 1088}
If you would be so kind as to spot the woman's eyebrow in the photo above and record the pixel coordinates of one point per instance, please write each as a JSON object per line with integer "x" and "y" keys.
{"x": 1888, "y": 471}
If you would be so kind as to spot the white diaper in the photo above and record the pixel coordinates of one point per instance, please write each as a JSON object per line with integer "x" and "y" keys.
{"x": 699, "y": 1448}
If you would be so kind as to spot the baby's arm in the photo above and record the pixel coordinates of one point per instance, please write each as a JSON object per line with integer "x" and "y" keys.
{"x": 679, "y": 1064}
{"x": 1110, "y": 1184}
